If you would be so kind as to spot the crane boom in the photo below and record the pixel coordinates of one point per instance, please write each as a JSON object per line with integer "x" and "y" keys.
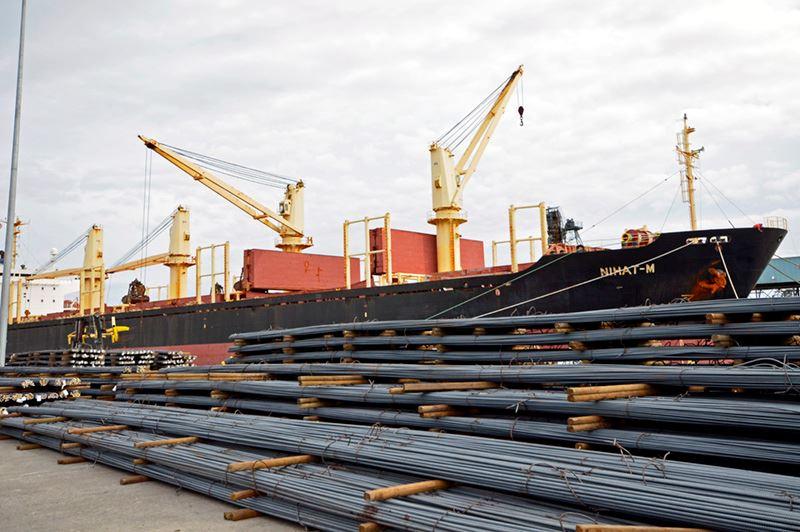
{"x": 448, "y": 179}
{"x": 285, "y": 224}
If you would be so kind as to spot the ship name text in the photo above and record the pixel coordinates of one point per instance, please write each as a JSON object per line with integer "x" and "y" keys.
{"x": 634, "y": 269}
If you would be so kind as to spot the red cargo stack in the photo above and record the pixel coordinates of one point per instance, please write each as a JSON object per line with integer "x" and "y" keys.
{"x": 415, "y": 253}
{"x": 265, "y": 269}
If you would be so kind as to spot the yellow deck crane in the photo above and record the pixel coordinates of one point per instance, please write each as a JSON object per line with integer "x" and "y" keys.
{"x": 287, "y": 222}
{"x": 178, "y": 258}
{"x": 92, "y": 274}
{"x": 448, "y": 178}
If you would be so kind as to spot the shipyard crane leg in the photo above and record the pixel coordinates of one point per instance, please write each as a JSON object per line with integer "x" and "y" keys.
{"x": 180, "y": 257}
{"x": 93, "y": 273}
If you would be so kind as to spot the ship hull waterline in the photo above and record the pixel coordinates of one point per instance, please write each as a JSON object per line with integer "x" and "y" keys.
{"x": 710, "y": 264}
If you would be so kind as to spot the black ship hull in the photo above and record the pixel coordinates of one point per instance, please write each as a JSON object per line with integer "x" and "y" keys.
{"x": 695, "y": 265}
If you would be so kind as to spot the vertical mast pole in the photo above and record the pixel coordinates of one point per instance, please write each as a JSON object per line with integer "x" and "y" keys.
{"x": 688, "y": 157}
{"x": 12, "y": 193}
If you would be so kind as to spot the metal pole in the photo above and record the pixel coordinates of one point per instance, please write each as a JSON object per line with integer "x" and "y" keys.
{"x": 387, "y": 235}
{"x": 512, "y": 237}
{"x": 346, "y": 254}
{"x": 367, "y": 256}
{"x": 12, "y": 192}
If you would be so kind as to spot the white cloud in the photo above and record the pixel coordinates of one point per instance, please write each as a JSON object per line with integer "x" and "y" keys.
{"x": 348, "y": 95}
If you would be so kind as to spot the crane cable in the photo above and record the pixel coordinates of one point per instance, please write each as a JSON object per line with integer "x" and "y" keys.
{"x": 64, "y": 252}
{"x": 456, "y": 134}
{"x": 142, "y": 244}
{"x": 148, "y": 180}
{"x": 640, "y": 196}
{"x": 751, "y": 221}
{"x": 234, "y": 170}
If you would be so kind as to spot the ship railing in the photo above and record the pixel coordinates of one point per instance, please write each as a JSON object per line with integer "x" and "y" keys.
{"x": 212, "y": 251}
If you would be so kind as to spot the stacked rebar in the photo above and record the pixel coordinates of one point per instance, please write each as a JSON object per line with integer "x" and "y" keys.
{"x": 34, "y": 390}
{"x": 676, "y": 415}
{"x": 91, "y": 358}
{"x": 675, "y": 492}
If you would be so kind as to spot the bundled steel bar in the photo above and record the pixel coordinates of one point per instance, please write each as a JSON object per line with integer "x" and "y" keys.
{"x": 340, "y": 491}
{"x": 645, "y": 313}
{"x": 737, "y": 448}
{"x": 621, "y": 355}
{"x": 679, "y": 492}
{"x": 303, "y": 515}
{"x": 631, "y": 334}
{"x": 739, "y": 412}
{"x": 754, "y": 377}
{"x": 24, "y": 370}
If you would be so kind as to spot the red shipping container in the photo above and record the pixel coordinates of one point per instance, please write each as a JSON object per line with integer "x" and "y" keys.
{"x": 266, "y": 269}
{"x": 415, "y": 253}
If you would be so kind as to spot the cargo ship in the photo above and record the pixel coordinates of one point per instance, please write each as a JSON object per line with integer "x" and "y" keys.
{"x": 407, "y": 275}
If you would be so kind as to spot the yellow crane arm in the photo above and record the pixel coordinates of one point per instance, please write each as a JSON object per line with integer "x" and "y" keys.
{"x": 55, "y": 274}
{"x": 472, "y": 155}
{"x": 161, "y": 258}
{"x": 241, "y": 200}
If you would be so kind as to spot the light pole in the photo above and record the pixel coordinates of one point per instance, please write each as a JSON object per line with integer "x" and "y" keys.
{"x": 12, "y": 195}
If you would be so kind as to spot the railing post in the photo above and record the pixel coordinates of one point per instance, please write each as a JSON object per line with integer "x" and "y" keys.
{"x": 198, "y": 279}
{"x": 387, "y": 246}
{"x": 512, "y": 237}
{"x": 226, "y": 270}
{"x": 345, "y": 242}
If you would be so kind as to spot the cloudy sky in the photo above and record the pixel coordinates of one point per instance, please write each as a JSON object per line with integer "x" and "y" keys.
{"x": 348, "y": 95}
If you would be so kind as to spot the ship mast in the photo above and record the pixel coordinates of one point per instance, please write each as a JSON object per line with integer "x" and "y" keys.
{"x": 687, "y": 156}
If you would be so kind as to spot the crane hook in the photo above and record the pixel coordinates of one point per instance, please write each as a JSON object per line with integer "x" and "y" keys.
{"x": 520, "y": 111}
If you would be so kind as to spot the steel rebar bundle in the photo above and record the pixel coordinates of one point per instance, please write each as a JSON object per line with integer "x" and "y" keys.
{"x": 735, "y": 412}
{"x": 516, "y": 428}
{"x": 304, "y": 516}
{"x": 631, "y": 334}
{"x": 619, "y": 355}
{"x": 782, "y": 377}
{"x": 338, "y": 490}
{"x": 678, "y": 492}
{"x": 633, "y": 314}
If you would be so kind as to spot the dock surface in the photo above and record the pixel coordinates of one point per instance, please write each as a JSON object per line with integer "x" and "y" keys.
{"x": 38, "y": 495}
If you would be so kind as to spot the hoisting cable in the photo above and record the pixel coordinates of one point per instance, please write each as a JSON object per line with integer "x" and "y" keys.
{"x": 466, "y": 130}
{"x": 725, "y": 265}
{"x": 234, "y": 170}
{"x": 148, "y": 181}
{"x": 64, "y": 252}
{"x": 671, "y": 205}
{"x": 582, "y": 283}
{"x": 727, "y": 198}
{"x": 457, "y": 131}
{"x": 521, "y": 100}
{"x": 714, "y": 199}
{"x": 507, "y": 283}
{"x": 142, "y": 244}
{"x": 640, "y": 196}
{"x": 754, "y": 223}
{"x": 797, "y": 281}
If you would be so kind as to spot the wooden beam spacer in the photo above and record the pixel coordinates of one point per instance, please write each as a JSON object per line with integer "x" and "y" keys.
{"x": 41, "y": 420}
{"x": 170, "y": 441}
{"x": 271, "y": 462}
{"x": 243, "y": 494}
{"x": 67, "y": 460}
{"x": 403, "y": 490}
{"x": 134, "y": 479}
{"x": 91, "y": 430}
{"x": 240, "y": 514}
{"x": 442, "y": 386}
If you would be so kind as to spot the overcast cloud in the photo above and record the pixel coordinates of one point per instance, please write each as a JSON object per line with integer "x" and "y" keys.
{"x": 348, "y": 95}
